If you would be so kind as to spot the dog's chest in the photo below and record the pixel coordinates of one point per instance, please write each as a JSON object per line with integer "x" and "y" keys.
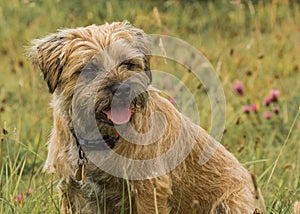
{"x": 99, "y": 191}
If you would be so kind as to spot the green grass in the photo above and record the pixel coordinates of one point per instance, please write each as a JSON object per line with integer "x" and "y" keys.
{"x": 257, "y": 44}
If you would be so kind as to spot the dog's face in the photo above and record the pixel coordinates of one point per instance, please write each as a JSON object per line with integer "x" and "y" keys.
{"x": 108, "y": 64}
{"x": 119, "y": 77}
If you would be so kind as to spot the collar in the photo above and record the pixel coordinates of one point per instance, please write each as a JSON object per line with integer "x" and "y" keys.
{"x": 94, "y": 145}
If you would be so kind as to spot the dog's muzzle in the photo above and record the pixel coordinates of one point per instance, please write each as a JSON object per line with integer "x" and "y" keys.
{"x": 120, "y": 112}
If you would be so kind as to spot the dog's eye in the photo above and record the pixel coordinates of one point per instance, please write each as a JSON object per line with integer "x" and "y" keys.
{"x": 89, "y": 72}
{"x": 130, "y": 65}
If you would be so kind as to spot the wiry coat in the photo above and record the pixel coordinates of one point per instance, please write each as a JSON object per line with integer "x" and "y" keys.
{"x": 221, "y": 185}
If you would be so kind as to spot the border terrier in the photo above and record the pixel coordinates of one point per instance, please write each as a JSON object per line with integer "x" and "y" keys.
{"x": 111, "y": 127}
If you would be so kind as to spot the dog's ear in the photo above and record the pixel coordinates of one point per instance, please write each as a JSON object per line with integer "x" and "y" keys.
{"x": 147, "y": 68}
{"x": 144, "y": 46}
{"x": 48, "y": 54}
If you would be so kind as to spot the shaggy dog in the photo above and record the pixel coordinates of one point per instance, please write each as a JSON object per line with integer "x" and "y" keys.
{"x": 100, "y": 77}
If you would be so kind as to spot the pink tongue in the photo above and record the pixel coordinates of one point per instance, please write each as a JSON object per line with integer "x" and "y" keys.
{"x": 119, "y": 115}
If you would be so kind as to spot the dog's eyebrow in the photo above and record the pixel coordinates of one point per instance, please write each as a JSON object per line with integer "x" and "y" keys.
{"x": 135, "y": 61}
{"x": 124, "y": 50}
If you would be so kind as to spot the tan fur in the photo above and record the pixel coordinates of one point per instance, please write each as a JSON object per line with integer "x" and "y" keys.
{"x": 221, "y": 185}
{"x": 297, "y": 207}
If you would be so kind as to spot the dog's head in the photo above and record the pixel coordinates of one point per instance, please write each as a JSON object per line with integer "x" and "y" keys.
{"x": 109, "y": 62}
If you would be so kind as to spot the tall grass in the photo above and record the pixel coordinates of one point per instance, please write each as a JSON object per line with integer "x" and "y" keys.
{"x": 254, "y": 42}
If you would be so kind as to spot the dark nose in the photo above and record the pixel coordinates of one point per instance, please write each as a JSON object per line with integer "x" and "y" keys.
{"x": 122, "y": 90}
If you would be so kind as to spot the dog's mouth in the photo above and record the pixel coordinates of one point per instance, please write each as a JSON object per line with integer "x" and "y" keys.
{"x": 119, "y": 111}
{"x": 119, "y": 115}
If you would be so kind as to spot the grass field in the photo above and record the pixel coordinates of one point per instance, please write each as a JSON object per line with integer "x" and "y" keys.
{"x": 254, "y": 43}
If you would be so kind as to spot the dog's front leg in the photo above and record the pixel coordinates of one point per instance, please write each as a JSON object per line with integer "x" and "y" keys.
{"x": 151, "y": 195}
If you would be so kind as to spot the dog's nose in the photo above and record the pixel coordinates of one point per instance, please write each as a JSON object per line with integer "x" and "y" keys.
{"x": 122, "y": 90}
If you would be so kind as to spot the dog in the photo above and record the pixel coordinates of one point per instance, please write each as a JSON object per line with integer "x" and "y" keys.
{"x": 100, "y": 80}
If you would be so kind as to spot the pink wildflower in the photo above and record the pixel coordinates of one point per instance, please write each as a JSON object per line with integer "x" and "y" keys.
{"x": 254, "y": 108}
{"x": 267, "y": 101}
{"x": 20, "y": 199}
{"x": 246, "y": 109}
{"x": 274, "y": 95}
{"x": 239, "y": 88}
{"x": 30, "y": 191}
{"x": 276, "y": 110}
{"x": 173, "y": 101}
{"x": 267, "y": 115}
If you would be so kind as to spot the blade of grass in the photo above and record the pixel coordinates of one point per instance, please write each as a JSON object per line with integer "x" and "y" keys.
{"x": 123, "y": 197}
{"x": 129, "y": 191}
{"x": 19, "y": 177}
{"x": 38, "y": 139}
{"x": 155, "y": 201}
{"x": 48, "y": 191}
{"x": 255, "y": 161}
{"x": 282, "y": 148}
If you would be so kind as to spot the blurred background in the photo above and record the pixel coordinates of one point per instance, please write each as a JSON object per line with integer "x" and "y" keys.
{"x": 254, "y": 47}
